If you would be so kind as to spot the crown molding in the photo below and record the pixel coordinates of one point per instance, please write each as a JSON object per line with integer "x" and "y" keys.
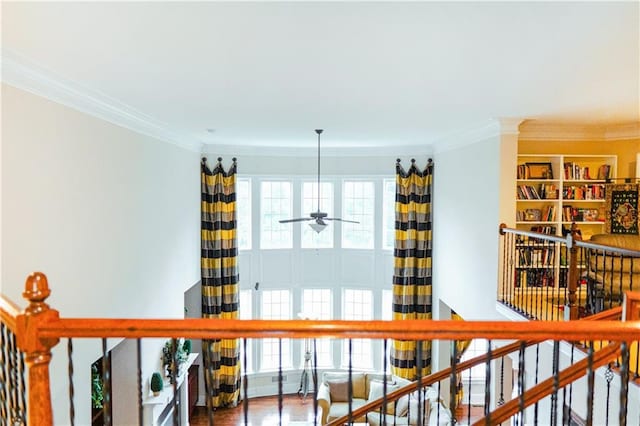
{"x": 535, "y": 130}
{"x": 482, "y": 131}
{"x": 20, "y": 73}
{"x": 386, "y": 151}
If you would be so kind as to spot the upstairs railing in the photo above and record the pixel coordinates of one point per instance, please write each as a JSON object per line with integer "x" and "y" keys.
{"x": 548, "y": 277}
{"x": 39, "y": 328}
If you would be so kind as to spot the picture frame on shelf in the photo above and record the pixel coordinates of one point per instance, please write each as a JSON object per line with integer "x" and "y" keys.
{"x": 540, "y": 170}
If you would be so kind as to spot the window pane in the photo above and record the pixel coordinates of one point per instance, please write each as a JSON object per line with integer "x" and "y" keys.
{"x": 246, "y": 313}
{"x": 358, "y": 205}
{"x": 387, "y": 305}
{"x": 316, "y": 304}
{"x": 388, "y": 214}
{"x": 357, "y": 305}
{"x": 243, "y": 207}
{"x": 476, "y": 348}
{"x": 275, "y": 204}
{"x": 276, "y": 304}
{"x": 310, "y": 238}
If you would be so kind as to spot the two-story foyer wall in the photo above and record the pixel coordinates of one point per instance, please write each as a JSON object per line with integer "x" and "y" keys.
{"x": 298, "y": 268}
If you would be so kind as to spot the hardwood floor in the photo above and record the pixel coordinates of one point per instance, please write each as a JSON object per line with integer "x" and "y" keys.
{"x": 264, "y": 412}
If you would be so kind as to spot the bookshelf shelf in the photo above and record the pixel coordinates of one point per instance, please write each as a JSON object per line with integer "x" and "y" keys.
{"x": 552, "y": 192}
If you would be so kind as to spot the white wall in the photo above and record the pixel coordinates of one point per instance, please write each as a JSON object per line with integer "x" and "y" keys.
{"x": 111, "y": 216}
{"x": 470, "y": 201}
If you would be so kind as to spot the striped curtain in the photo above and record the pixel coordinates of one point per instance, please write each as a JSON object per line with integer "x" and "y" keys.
{"x": 461, "y": 348}
{"x": 412, "y": 266}
{"x": 219, "y": 268}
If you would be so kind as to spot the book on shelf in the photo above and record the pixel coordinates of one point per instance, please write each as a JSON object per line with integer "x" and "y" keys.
{"x": 573, "y": 171}
{"x": 584, "y": 192}
{"x": 581, "y": 214}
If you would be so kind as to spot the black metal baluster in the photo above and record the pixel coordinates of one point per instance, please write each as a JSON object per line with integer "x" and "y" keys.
{"x": 419, "y": 366}
{"x": 438, "y": 409}
{"x": 501, "y": 399}
{"x": 383, "y": 409}
{"x": 624, "y": 384}
{"x": 315, "y": 383}
{"x": 556, "y": 382}
{"x": 590, "y": 383}
{"x": 608, "y": 375}
{"x": 453, "y": 380}
{"x": 13, "y": 378}
{"x": 139, "y": 367}
{"x": 280, "y": 396}
{"x": 245, "y": 384}
{"x": 350, "y": 387}
{"x": 208, "y": 377}
{"x": 174, "y": 376}
{"x": 22, "y": 394}
{"x": 4, "y": 400}
{"x": 72, "y": 410}
{"x": 106, "y": 384}
{"x": 521, "y": 381}
{"x": 469, "y": 400}
{"x": 487, "y": 386}
{"x": 535, "y": 407}
{"x": 568, "y": 409}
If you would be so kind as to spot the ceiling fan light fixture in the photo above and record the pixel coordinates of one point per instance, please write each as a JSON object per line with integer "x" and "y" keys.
{"x": 318, "y": 227}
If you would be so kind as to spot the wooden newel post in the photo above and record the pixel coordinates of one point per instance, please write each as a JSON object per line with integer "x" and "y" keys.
{"x": 37, "y": 350}
{"x": 573, "y": 272}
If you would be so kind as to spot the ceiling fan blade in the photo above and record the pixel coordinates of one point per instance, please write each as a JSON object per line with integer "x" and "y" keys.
{"x": 340, "y": 220}
{"x": 299, "y": 219}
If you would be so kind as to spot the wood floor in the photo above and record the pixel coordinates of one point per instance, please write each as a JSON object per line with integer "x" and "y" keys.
{"x": 264, "y": 412}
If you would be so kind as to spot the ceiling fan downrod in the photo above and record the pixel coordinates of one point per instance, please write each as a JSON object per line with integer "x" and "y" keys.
{"x": 319, "y": 132}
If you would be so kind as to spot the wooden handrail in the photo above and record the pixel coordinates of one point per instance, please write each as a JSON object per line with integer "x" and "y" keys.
{"x": 610, "y": 314}
{"x": 405, "y": 330}
{"x": 9, "y": 312}
{"x": 429, "y": 380}
{"x": 544, "y": 388}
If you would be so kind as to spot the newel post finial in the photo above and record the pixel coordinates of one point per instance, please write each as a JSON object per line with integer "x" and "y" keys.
{"x": 37, "y": 349}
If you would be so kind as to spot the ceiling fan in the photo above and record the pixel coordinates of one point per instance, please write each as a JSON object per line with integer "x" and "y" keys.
{"x": 318, "y": 217}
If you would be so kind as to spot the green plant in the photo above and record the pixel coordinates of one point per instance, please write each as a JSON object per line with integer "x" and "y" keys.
{"x": 187, "y": 346}
{"x": 156, "y": 382}
{"x": 170, "y": 349}
{"x": 97, "y": 392}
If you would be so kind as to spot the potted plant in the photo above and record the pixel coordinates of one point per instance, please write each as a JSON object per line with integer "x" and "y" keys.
{"x": 156, "y": 383}
{"x": 187, "y": 346}
{"x": 173, "y": 349}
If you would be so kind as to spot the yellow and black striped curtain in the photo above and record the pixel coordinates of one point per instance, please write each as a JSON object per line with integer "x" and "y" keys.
{"x": 461, "y": 348}
{"x": 219, "y": 266}
{"x": 412, "y": 265}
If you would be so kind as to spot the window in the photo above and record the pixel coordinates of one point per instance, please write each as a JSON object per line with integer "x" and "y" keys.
{"x": 357, "y": 305}
{"x": 276, "y": 304}
{"x": 275, "y": 203}
{"x": 317, "y": 304}
{"x": 387, "y": 305}
{"x": 476, "y": 348}
{"x": 388, "y": 214}
{"x": 310, "y": 238}
{"x": 358, "y": 204}
{"x": 243, "y": 209}
{"x": 245, "y": 313}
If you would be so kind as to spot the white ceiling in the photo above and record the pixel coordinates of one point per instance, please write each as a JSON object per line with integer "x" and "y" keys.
{"x": 371, "y": 74}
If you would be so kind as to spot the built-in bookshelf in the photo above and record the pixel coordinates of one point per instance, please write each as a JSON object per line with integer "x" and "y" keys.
{"x": 557, "y": 190}
{"x": 552, "y": 192}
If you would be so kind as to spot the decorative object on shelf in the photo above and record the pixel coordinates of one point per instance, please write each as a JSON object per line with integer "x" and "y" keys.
{"x": 622, "y": 209}
{"x": 156, "y": 383}
{"x": 539, "y": 171}
{"x": 173, "y": 350}
{"x": 97, "y": 392}
{"x": 318, "y": 217}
